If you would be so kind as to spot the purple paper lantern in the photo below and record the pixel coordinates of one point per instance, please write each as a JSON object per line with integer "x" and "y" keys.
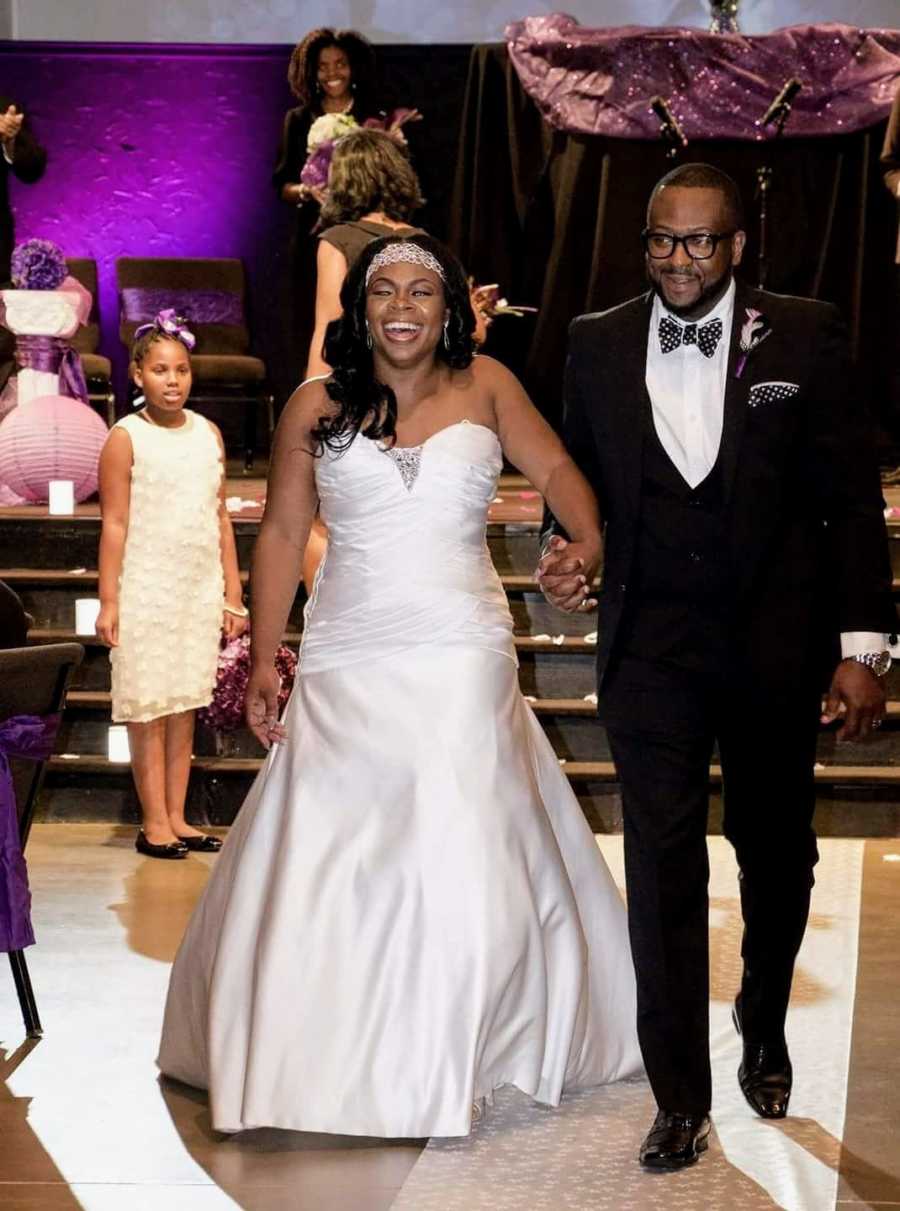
{"x": 52, "y": 437}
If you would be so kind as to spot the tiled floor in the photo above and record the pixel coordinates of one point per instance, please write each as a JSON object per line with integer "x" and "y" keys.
{"x": 85, "y": 1123}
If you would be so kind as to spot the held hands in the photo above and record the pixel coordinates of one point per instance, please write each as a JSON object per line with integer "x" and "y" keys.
{"x": 857, "y": 694}
{"x": 107, "y": 625}
{"x": 566, "y": 573}
{"x": 261, "y": 706}
{"x": 10, "y": 124}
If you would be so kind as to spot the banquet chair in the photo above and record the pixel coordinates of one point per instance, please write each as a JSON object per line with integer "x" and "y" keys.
{"x": 210, "y": 293}
{"x": 15, "y": 621}
{"x": 33, "y": 681}
{"x": 86, "y": 341}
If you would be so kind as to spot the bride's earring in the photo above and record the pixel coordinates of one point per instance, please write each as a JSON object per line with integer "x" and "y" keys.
{"x": 447, "y": 334}
{"x": 368, "y": 336}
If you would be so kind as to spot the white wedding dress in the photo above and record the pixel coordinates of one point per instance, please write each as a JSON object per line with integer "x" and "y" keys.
{"x": 410, "y": 910}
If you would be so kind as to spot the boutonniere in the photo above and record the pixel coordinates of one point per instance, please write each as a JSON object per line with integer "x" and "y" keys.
{"x": 755, "y": 330}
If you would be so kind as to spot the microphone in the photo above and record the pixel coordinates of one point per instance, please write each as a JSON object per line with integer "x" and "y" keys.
{"x": 782, "y": 103}
{"x": 669, "y": 127}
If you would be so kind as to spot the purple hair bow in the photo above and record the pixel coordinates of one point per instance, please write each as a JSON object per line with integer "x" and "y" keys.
{"x": 172, "y": 324}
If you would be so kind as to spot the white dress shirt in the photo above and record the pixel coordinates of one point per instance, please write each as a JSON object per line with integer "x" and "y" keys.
{"x": 687, "y": 391}
{"x": 687, "y": 395}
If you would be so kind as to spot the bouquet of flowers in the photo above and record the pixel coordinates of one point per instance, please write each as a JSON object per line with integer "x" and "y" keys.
{"x": 329, "y": 128}
{"x": 226, "y": 711}
{"x": 323, "y": 134}
{"x": 38, "y": 265}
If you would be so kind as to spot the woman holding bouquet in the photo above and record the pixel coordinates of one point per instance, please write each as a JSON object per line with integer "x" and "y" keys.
{"x": 332, "y": 75}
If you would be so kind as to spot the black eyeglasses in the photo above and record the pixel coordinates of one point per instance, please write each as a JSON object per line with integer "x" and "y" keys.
{"x": 699, "y": 245}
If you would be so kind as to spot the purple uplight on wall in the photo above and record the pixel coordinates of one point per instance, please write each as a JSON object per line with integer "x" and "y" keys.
{"x": 157, "y": 151}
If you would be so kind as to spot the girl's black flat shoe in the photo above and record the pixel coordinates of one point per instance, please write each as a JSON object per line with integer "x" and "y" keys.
{"x": 202, "y": 844}
{"x": 172, "y": 849}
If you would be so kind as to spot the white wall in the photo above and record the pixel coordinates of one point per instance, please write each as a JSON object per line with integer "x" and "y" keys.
{"x": 391, "y": 20}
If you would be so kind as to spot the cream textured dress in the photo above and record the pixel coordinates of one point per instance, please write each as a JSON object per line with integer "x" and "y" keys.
{"x": 172, "y": 585}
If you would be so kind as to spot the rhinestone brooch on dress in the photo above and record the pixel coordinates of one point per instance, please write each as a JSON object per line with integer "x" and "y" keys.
{"x": 408, "y": 459}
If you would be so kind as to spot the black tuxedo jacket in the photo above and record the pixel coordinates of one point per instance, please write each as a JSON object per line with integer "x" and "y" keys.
{"x": 29, "y": 161}
{"x": 804, "y": 511}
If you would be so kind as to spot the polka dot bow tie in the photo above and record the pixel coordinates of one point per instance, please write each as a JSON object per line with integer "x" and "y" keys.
{"x": 706, "y": 336}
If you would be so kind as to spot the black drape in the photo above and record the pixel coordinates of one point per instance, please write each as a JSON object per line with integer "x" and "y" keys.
{"x": 555, "y": 218}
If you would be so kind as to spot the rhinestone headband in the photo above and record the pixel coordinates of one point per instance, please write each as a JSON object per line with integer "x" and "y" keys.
{"x": 407, "y": 254}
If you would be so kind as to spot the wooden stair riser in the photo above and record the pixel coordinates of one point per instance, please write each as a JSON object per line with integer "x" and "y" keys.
{"x": 574, "y": 738}
{"x": 558, "y": 672}
{"x": 534, "y": 615}
{"x": 73, "y": 542}
{"x": 841, "y": 811}
{"x": 53, "y": 607}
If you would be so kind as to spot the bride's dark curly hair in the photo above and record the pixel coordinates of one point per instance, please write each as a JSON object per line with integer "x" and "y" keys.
{"x": 363, "y": 403}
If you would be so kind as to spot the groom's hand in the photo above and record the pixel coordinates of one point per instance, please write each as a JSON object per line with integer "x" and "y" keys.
{"x": 565, "y": 573}
{"x": 858, "y": 695}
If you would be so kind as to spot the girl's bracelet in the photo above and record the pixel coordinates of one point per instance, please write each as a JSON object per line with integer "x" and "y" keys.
{"x": 237, "y": 611}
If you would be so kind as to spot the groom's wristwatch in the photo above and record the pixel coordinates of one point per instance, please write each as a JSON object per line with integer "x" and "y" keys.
{"x": 876, "y": 662}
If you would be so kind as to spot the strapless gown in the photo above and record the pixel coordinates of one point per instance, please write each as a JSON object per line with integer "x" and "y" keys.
{"x": 410, "y": 910}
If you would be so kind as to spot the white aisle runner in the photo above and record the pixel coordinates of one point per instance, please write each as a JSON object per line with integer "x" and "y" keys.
{"x": 583, "y": 1155}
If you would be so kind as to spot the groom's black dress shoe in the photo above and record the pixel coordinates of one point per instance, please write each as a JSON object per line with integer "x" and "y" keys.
{"x": 765, "y": 1075}
{"x": 675, "y": 1140}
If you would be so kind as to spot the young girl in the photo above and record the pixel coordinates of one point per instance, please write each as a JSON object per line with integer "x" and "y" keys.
{"x": 169, "y": 580}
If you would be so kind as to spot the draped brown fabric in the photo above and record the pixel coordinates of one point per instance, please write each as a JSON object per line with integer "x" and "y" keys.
{"x": 556, "y": 219}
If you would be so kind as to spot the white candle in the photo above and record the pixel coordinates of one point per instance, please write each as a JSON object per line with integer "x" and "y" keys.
{"x": 61, "y": 494}
{"x": 117, "y": 744}
{"x": 86, "y": 611}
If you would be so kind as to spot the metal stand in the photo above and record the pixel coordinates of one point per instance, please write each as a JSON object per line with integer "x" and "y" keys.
{"x": 763, "y": 185}
{"x": 669, "y": 130}
{"x": 25, "y": 993}
{"x": 764, "y": 176}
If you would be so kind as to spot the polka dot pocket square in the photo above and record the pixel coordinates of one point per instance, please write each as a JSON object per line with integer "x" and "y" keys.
{"x": 771, "y": 393}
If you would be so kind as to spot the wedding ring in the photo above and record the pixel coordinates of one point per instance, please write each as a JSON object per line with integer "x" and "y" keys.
{"x": 877, "y": 722}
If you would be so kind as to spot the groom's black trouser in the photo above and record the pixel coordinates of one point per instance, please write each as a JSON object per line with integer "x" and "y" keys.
{"x": 662, "y": 726}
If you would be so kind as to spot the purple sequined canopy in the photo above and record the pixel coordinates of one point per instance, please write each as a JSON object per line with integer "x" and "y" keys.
{"x": 600, "y": 81}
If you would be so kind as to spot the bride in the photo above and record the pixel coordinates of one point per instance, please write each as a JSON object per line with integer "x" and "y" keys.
{"x": 410, "y": 911}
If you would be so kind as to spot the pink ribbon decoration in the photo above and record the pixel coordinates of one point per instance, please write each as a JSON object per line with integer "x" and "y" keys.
{"x": 53, "y": 355}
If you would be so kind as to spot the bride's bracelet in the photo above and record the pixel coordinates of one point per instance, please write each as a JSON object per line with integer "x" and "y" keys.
{"x": 237, "y": 611}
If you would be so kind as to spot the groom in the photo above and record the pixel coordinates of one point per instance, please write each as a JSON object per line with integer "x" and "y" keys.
{"x": 746, "y": 569}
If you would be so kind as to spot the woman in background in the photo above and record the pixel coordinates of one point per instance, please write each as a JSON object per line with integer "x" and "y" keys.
{"x": 329, "y": 73}
{"x": 373, "y": 192}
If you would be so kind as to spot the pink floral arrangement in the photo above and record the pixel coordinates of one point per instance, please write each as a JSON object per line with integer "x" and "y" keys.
{"x": 226, "y": 711}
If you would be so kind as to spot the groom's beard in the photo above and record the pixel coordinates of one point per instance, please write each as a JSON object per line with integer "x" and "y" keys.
{"x": 709, "y": 295}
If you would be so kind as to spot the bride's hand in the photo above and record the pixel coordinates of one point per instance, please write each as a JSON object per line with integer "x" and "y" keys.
{"x": 566, "y": 574}
{"x": 261, "y": 706}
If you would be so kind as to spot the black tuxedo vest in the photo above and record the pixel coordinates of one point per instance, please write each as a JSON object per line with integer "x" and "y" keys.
{"x": 681, "y": 578}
